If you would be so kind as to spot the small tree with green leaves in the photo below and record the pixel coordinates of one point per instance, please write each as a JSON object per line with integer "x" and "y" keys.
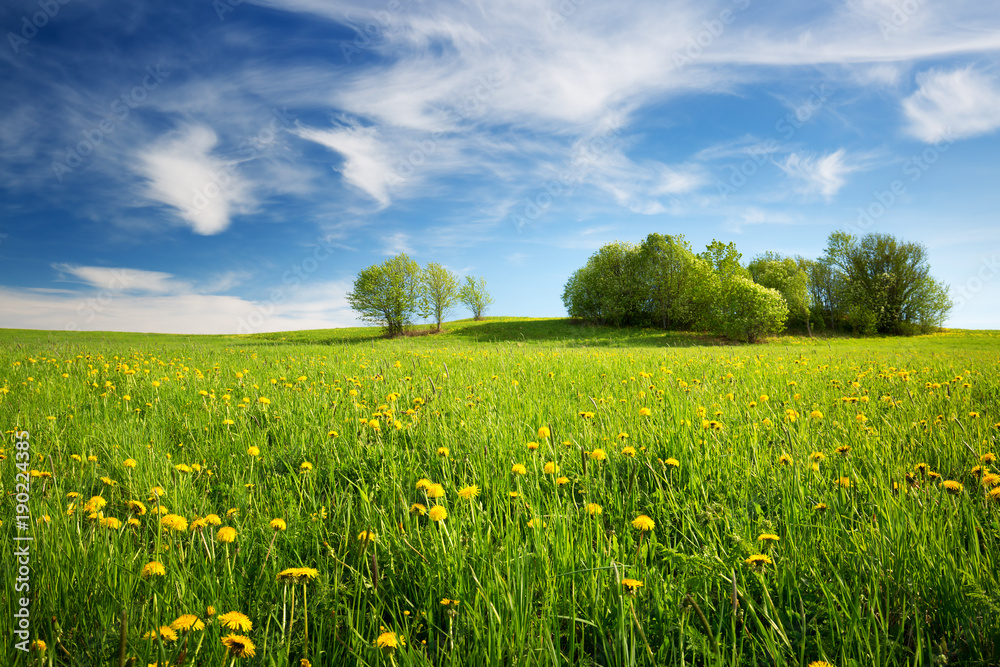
{"x": 440, "y": 292}
{"x": 388, "y": 293}
{"x": 788, "y": 277}
{"x": 749, "y": 311}
{"x": 474, "y": 295}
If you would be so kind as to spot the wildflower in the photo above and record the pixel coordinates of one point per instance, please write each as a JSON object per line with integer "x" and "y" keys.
{"x": 435, "y": 491}
{"x": 816, "y": 457}
{"x": 226, "y": 534}
{"x": 952, "y": 487}
{"x": 438, "y": 513}
{"x": 673, "y": 463}
{"x": 238, "y": 645}
{"x": 766, "y": 422}
{"x": 990, "y": 479}
{"x": 532, "y": 446}
{"x": 297, "y": 574}
{"x": 543, "y": 432}
{"x": 593, "y": 509}
{"x": 38, "y": 646}
{"x": 174, "y": 522}
{"x": 111, "y": 523}
{"x": 469, "y": 492}
{"x": 129, "y": 463}
{"x": 629, "y": 451}
{"x": 253, "y": 450}
{"x": 632, "y": 584}
{"x": 136, "y": 507}
{"x": 157, "y": 491}
{"x": 513, "y": 494}
{"x": 236, "y": 621}
{"x": 758, "y": 561}
{"x": 182, "y": 467}
{"x": 819, "y": 663}
{"x": 387, "y": 642}
{"x": 995, "y": 494}
{"x": 922, "y": 468}
{"x": 987, "y": 458}
{"x": 816, "y": 414}
{"x": 519, "y": 469}
{"x": 133, "y": 522}
{"x": 213, "y": 520}
{"x": 423, "y": 484}
{"x": 643, "y": 523}
{"x": 819, "y": 507}
{"x": 305, "y": 467}
{"x": 623, "y": 436}
{"x": 535, "y": 522}
{"x": 264, "y": 401}
{"x": 165, "y": 633}
{"x": 367, "y": 536}
{"x": 768, "y": 537}
{"x": 562, "y": 480}
{"x": 844, "y": 482}
{"x": 645, "y": 412}
{"x": 843, "y": 450}
{"x": 785, "y": 460}
{"x": 586, "y": 415}
{"x": 443, "y": 451}
{"x": 418, "y": 509}
{"x": 278, "y": 524}
{"x": 188, "y": 622}
{"x": 598, "y": 455}
{"x": 95, "y": 504}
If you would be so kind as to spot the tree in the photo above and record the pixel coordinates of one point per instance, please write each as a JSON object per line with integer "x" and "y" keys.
{"x": 888, "y": 286}
{"x": 474, "y": 295}
{"x": 388, "y": 293}
{"x": 789, "y": 278}
{"x": 724, "y": 259}
{"x": 748, "y": 311}
{"x": 608, "y": 288}
{"x": 440, "y": 291}
{"x": 678, "y": 284}
{"x": 826, "y": 289}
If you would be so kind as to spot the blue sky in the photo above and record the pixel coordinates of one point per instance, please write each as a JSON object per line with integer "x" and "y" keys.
{"x": 213, "y": 167}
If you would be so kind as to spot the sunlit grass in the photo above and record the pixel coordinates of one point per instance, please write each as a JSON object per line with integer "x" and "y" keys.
{"x": 508, "y": 492}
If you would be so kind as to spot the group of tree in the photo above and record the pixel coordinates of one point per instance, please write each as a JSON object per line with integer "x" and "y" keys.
{"x": 873, "y": 284}
{"x": 397, "y": 291}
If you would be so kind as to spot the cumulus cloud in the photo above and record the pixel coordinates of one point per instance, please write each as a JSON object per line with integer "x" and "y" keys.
{"x": 183, "y": 174}
{"x": 954, "y": 105}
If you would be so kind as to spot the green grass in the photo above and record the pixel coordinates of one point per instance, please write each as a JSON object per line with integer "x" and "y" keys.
{"x": 893, "y": 572}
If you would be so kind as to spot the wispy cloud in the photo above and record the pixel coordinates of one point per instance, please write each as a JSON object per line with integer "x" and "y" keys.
{"x": 183, "y": 174}
{"x": 952, "y": 104}
{"x": 823, "y": 175}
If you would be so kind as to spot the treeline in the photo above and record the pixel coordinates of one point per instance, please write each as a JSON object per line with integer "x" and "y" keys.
{"x": 868, "y": 285}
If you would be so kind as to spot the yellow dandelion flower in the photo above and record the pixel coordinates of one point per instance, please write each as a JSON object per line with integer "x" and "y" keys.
{"x": 544, "y": 432}
{"x": 758, "y": 561}
{"x": 188, "y": 622}
{"x": 423, "y": 484}
{"x": 174, "y": 522}
{"x": 239, "y": 646}
{"x": 438, "y": 513}
{"x": 153, "y": 568}
{"x": 253, "y": 450}
{"x": 629, "y": 451}
{"x": 387, "y": 642}
{"x": 815, "y": 414}
{"x": 165, "y": 633}
{"x": 129, "y": 463}
{"x": 645, "y": 412}
{"x": 562, "y": 480}
{"x": 551, "y": 468}
{"x": 844, "y": 482}
{"x": 418, "y": 509}
{"x": 532, "y": 446}
{"x": 643, "y": 523}
{"x": 768, "y": 537}
{"x": 236, "y": 621}
{"x": 435, "y": 491}
{"x": 952, "y": 487}
{"x": 987, "y": 458}
{"x": 593, "y": 509}
{"x": 443, "y": 451}
{"x": 598, "y": 455}
{"x": 673, "y": 463}
{"x": 278, "y": 524}
{"x": 213, "y": 520}
{"x": 632, "y": 584}
{"x": 305, "y": 466}
{"x": 226, "y": 534}
{"x": 367, "y": 536}
{"x": 469, "y": 492}
{"x": 519, "y": 469}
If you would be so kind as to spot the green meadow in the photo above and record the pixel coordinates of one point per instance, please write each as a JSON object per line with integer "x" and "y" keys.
{"x": 507, "y": 492}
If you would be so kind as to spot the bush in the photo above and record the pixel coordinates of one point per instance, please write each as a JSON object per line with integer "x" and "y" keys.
{"x": 748, "y": 311}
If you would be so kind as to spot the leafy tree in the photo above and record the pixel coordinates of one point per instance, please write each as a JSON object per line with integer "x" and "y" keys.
{"x": 789, "y": 278}
{"x": 388, "y": 293}
{"x": 440, "y": 291}
{"x": 826, "y": 289}
{"x": 678, "y": 284}
{"x": 748, "y": 311}
{"x": 608, "y": 288}
{"x": 724, "y": 259}
{"x": 888, "y": 286}
{"x": 474, "y": 295}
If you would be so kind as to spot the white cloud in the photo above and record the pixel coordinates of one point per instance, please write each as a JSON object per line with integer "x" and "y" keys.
{"x": 818, "y": 175}
{"x": 122, "y": 279}
{"x": 397, "y": 243}
{"x": 952, "y": 105}
{"x": 367, "y": 163}
{"x": 318, "y": 306}
{"x": 183, "y": 174}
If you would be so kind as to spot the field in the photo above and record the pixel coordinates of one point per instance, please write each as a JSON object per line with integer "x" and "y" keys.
{"x": 512, "y": 492}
